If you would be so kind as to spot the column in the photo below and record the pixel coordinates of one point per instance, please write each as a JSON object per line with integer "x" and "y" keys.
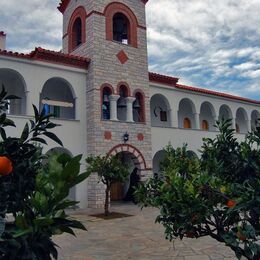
{"x": 197, "y": 120}
{"x": 113, "y": 107}
{"x": 129, "y": 109}
{"x": 174, "y": 118}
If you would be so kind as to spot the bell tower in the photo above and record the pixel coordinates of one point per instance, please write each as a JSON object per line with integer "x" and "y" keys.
{"x": 113, "y": 35}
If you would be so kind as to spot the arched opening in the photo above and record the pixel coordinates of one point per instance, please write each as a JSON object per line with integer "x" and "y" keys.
{"x": 121, "y": 28}
{"x": 255, "y": 119}
{"x": 225, "y": 113}
{"x": 241, "y": 121}
{"x": 77, "y": 33}
{"x": 157, "y": 160}
{"x": 136, "y": 163}
{"x": 186, "y": 123}
{"x": 106, "y": 92}
{"x": 121, "y": 103}
{"x": 77, "y": 28}
{"x": 207, "y": 116}
{"x": 160, "y": 111}
{"x": 14, "y": 84}
{"x": 58, "y": 151}
{"x": 121, "y": 24}
{"x": 186, "y": 114}
{"x": 57, "y": 98}
{"x": 139, "y": 108}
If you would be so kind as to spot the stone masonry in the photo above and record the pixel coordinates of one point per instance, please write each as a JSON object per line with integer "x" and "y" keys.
{"x": 106, "y": 68}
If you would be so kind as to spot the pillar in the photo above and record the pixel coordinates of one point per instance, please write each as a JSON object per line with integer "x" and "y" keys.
{"x": 113, "y": 107}
{"x": 174, "y": 118}
{"x": 129, "y": 109}
{"x": 248, "y": 124}
{"x": 197, "y": 120}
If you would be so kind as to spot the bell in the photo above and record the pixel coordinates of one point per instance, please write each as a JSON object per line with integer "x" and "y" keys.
{"x": 105, "y": 99}
{"x": 121, "y": 102}
{"x": 136, "y": 104}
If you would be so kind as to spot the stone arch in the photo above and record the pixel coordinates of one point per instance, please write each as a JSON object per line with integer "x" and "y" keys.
{"x": 114, "y": 8}
{"x": 61, "y": 99}
{"x": 241, "y": 121}
{"x": 137, "y": 156}
{"x": 207, "y": 114}
{"x": 186, "y": 111}
{"x": 160, "y": 110}
{"x": 14, "y": 84}
{"x": 79, "y": 16}
{"x": 225, "y": 112}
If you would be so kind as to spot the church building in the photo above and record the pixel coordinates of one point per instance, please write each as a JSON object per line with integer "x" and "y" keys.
{"x": 101, "y": 92}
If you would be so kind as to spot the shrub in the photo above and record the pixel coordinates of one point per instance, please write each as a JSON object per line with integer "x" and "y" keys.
{"x": 33, "y": 196}
{"x": 217, "y": 195}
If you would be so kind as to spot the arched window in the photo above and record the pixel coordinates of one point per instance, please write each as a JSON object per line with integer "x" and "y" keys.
{"x": 77, "y": 28}
{"x": 77, "y": 33}
{"x": 121, "y": 103}
{"x": 121, "y": 24}
{"x": 205, "y": 125}
{"x": 106, "y": 92}
{"x": 138, "y": 108}
{"x": 121, "y": 28}
{"x": 186, "y": 123}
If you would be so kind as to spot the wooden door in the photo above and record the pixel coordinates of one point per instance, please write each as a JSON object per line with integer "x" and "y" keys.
{"x": 116, "y": 192}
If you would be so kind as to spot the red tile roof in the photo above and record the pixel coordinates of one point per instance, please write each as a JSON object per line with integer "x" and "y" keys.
{"x": 51, "y": 57}
{"x": 172, "y": 81}
{"x": 64, "y": 3}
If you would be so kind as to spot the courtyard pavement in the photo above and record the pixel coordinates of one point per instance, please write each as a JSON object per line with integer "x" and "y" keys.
{"x": 136, "y": 237}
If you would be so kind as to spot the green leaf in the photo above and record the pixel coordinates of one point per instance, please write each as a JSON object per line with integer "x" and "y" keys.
{"x": 53, "y": 137}
{"x": 25, "y": 133}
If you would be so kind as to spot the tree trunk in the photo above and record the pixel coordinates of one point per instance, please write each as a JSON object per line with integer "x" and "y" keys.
{"x": 107, "y": 200}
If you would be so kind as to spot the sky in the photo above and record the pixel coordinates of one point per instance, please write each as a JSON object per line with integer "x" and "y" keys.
{"x": 212, "y": 44}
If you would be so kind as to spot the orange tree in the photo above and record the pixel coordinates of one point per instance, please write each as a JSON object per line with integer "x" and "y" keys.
{"x": 110, "y": 169}
{"x": 217, "y": 195}
{"x": 33, "y": 195}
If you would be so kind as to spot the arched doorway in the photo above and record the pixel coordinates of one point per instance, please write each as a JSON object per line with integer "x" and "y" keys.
{"x": 135, "y": 161}
{"x": 157, "y": 160}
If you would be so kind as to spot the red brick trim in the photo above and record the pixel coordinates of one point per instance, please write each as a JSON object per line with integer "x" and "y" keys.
{"x": 130, "y": 149}
{"x": 50, "y": 57}
{"x": 79, "y": 12}
{"x": 107, "y": 135}
{"x": 122, "y": 83}
{"x": 113, "y": 8}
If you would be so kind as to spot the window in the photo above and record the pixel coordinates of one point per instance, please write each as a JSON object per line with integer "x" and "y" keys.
{"x": 106, "y": 92}
{"x": 204, "y": 125}
{"x": 138, "y": 108}
{"x": 77, "y": 33}
{"x": 186, "y": 123}
{"x": 121, "y": 28}
{"x": 77, "y": 28}
{"x": 121, "y": 24}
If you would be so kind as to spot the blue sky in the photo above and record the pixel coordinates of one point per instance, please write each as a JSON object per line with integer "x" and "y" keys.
{"x": 207, "y": 43}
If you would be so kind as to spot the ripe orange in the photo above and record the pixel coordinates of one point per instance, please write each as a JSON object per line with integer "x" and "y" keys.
{"x": 6, "y": 166}
{"x": 231, "y": 203}
{"x": 241, "y": 236}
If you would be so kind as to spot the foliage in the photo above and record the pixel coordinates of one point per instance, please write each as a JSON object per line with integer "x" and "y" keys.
{"x": 110, "y": 169}
{"x": 217, "y": 195}
{"x": 33, "y": 196}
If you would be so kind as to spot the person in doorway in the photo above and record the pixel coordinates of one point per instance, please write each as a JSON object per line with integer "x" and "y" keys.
{"x": 134, "y": 180}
